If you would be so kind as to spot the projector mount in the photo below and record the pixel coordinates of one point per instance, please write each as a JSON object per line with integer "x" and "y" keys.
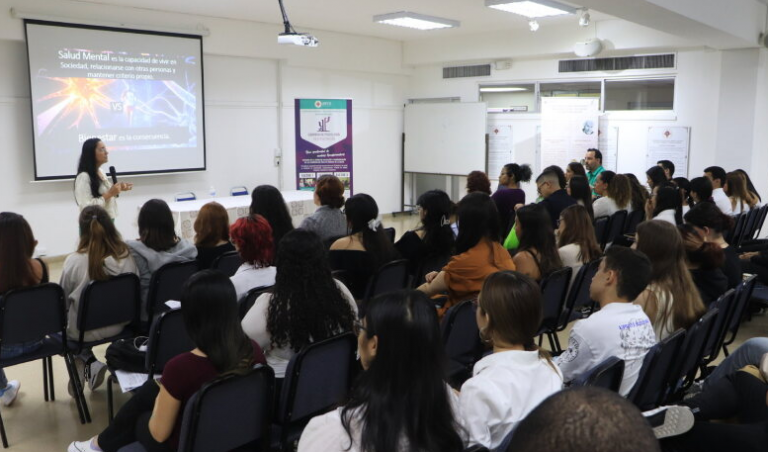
{"x": 290, "y": 36}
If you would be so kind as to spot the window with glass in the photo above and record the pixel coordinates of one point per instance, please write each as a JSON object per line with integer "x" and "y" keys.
{"x": 509, "y": 97}
{"x": 570, "y": 89}
{"x": 644, "y": 94}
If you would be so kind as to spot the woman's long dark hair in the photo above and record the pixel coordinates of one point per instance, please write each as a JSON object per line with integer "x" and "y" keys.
{"x": 656, "y": 175}
{"x": 708, "y": 215}
{"x": 17, "y": 244}
{"x": 581, "y": 191}
{"x": 438, "y": 236}
{"x": 668, "y": 198}
{"x": 87, "y": 164}
{"x": 209, "y": 308}
{"x": 360, "y": 210}
{"x": 538, "y": 238}
{"x": 478, "y": 219}
{"x": 306, "y": 304}
{"x": 268, "y": 202}
{"x": 402, "y": 398}
{"x": 639, "y": 193}
{"x": 156, "y": 228}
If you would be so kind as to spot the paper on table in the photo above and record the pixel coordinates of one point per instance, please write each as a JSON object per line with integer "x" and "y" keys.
{"x": 131, "y": 380}
{"x": 173, "y": 304}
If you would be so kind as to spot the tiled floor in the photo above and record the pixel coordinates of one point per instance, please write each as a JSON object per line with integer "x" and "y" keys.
{"x": 34, "y": 425}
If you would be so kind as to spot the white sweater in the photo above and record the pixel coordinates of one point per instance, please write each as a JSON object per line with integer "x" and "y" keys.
{"x": 84, "y": 197}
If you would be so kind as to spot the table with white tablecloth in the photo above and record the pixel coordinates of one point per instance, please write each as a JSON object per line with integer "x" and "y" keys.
{"x": 300, "y": 205}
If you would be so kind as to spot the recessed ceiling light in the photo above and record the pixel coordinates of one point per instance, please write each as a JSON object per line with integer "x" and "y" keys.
{"x": 531, "y": 8}
{"x": 501, "y": 89}
{"x": 416, "y": 21}
{"x": 533, "y": 25}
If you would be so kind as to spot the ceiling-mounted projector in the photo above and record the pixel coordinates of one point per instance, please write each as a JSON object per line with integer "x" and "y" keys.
{"x": 297, "y": 39}
{"x": 588, "y": 48}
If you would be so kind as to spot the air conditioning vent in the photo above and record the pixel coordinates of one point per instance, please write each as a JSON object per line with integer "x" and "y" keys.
{"x": 481, "y": 70}
{"x": 618, "y": 64}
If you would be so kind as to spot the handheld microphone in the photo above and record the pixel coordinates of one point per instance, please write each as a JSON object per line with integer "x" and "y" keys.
{"x": 112, "y": 174}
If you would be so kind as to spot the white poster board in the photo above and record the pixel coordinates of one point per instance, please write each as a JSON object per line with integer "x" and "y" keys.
{"x": 500, "y": 146}
{"x": 568, "y": 128}
{"x": 608, "y": 144}
{"x": 669, "y": 143}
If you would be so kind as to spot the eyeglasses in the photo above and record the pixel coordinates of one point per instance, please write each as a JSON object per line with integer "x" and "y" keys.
{"x": 357, "y": 327}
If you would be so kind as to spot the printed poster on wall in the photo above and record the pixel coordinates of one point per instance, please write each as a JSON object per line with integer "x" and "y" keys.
{"x": 500, "y": 148}
{"x": 669, "y": 143}
{"x": 568, "y": 128}
{"x": 323, "y": 141}
{"x": 608, "y": 144}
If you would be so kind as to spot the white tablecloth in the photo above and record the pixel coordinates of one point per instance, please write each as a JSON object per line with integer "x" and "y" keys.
{"x": 300, "y": 205}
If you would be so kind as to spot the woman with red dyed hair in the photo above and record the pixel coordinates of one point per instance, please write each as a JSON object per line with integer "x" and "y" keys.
{"x": 252, "y": 237}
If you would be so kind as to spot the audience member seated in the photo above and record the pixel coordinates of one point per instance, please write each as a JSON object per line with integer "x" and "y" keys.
{"x": 655, "y": 177}
{"x": 152, "y": 416}
{"x": 615, "y": 192}
{"x": 400, "y": 402}
{"x": 742, "y": 200}
{"x": 17, "y": 269}
{"x": 585, "y": 420}
{"x": 639, "y": 193}
{"x": 555, "y": 197}
{"x": 429, "y": 246}
{"x": 537, "y": 254}
{"x": 668, "y": 167}
{"x": 701, "y": 190}
{"x": 328, "y": 221}
{"x": 593, "y": 160}
{"x": 211, "y": 234}
{"x": 368, "y": 238}
{"x": 158, "y": 244}
{"x": 705, "y": 260}
{"x": 756, "y": 263}
{"x": 268, "y": 202}
{"x": 576, "y": 240}
{"x": 510, "y": 194}
{"x": 671, "y": 300}
{"x": 478, "y": 181}
{"x": 512, "y": 381}
{"x": 712, "y": 223}
{"x": 100, "y": 255}
{"x": 574, "y": 169}
{"x": 665, "y": 205}
{"x": 620, "y": 328}
{"x": 753, "y": 352}
{"x": 750, "y": 186}
{"x": 579, "y": 190}
{"x": 717, "y": 176}
{"x": 253, "y": 240}
{"x": 684, "y": 186}
{"x": 560, "y": 175}
{"x": 478, "y": 253}
{"x": 305, "y": 305}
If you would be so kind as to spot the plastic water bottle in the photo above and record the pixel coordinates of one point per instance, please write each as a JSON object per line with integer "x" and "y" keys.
{"x": 212, "y": 191}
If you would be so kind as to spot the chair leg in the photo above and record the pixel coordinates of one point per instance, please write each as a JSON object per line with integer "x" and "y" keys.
{"x": 551, "y": 342}
{"x": 725, "y": 350}
{"x": 50, "y": 378}
{"x": 558, "y": 347}
{"x": 45, "y": 379}
{"x": 110, "y": 407}
{"x": 79, "y": 402}
{"x": 2, "y": 433}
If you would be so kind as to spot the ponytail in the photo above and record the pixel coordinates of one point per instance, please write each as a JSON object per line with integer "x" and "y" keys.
{"x": 99, "y": 239}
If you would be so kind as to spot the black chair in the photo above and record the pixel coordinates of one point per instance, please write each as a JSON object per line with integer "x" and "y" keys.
{"x": 246, "y": 303}
{"x": 725, "y": 304}
{"x": 105, "y": 303}
{"x": 578, "y": 295}
{"x": 167, "y": 338}
{"x": 227, "y": 263}
{"x": 601, "y": 229}
{"x": 461, "y": 338}
{"x": 317, "y": 379}
{"x": 166, "y": 284}
{"x": 743, "y": 295}
{"x": 358, "y": 267}
{"x": 554, "y": 290}
{"x": 390, "y": 234}
{"x": 633, "y": 219}
{"x": 608, "y": 374}
{"x": 693, "y": 349}
{"x": 390, "y": 277}
{"x": 428, "y": 265}
{"x": 732, "y": 236}
{"x": 760, "y": 222}
{"x": 233, "y": 412}
{"x": 615, "y": 227}
{"x": 656, "y": 375}
{"x": 31, "y": 314}
{"x": 749, "y": 227}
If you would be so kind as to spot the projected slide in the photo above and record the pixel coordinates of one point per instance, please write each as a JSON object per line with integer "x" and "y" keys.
{"x": 141, "y": 93}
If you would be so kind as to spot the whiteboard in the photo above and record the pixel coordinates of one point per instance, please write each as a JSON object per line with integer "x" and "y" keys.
{"x": 445, "y": 138}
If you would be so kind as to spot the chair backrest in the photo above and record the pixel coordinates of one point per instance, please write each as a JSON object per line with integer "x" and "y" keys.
{"x": 725, "y": 304}
{"x": 167, "y": 338}
{"x": 247, "y": 301}
{"x": 693, "y": 348}
{"x": 390, "y": 277}
{"x": 166, "y": 284}
{"x": 578, "y": 295}
{"x": 427, "y": 265}
{"x": 390, "y": 233}
{"x": 109, "y": 302}
{"x": 615, "y": 227}
{"x": 743, "y": 295}
{"x": 239, "y": 190}
{"x": 656, "y": 375}
{"x": 185, "y": 196}
{"x": 229, "y": 412}
{"x": 554, "y": 289}
{"x": 358, "y": 266}
{"x": 633, "y": 219}
{"x": 732, "y": 235}
{"x": 29, "y": 314}
{"x": 749, "y": 226}
{"x": 601, "y": 229}
{"x": 608, "y": 374}
{"x": 461, "y": 336}
{"x": 760, "y": 222}
{"x": 227, "y": 263}
{"x": 317, "y": 379}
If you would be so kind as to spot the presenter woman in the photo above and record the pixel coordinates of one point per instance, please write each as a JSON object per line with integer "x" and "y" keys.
{"x": 92, "y": 187}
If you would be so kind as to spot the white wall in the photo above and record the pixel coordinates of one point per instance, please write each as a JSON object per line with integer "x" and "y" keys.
{"x": 250, "y": 84}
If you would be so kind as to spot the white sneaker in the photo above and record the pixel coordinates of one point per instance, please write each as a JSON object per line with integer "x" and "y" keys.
{"x": 94, "y": 373}
{"x": 82, "y": 446}
{"x": 11, "y": 391}
{"x": 670, "y": 420}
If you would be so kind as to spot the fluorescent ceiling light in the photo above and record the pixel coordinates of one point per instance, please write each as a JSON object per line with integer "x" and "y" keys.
{"x": 531, "y": 9}
{"x": 501, "y": 89}
{"x": 417, "y": 21}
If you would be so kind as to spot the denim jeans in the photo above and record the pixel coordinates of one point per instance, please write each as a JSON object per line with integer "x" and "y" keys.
{"x": 14, "y": 350}
{"x": 749, "y": 353}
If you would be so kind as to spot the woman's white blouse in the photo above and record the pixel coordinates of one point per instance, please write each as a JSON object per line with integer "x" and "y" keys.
{"x": 84, "y": 197}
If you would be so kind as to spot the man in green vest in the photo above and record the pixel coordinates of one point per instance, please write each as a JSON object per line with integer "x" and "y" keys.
{"x": 594, "y": 163}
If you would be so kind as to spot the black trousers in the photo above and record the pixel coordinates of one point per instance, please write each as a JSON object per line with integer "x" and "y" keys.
{"x": 739, "y": 395}
{"x": 131, "y": 423}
